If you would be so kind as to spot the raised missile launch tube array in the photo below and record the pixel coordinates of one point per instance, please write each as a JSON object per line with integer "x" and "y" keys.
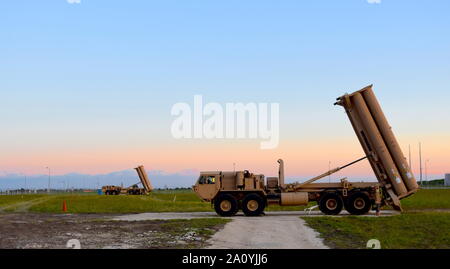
{"x": 380, "y": 145}
{"x": 144, "y": 178}
{"x": 391, "y": 141}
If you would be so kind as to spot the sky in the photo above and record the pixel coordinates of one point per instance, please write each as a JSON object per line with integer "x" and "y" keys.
{"x": 87, "y": 86}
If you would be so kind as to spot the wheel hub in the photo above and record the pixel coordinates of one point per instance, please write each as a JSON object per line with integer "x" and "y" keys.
{"x": 359, "y": 203}
{"x": 225, "y": 205}
{"x": 332, "y": 204}
{"x": 252, "y": 205}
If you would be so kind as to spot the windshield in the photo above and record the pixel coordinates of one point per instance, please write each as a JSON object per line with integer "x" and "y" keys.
{"x": 207, "y": 180}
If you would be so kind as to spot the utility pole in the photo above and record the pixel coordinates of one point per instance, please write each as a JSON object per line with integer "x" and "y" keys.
{"x": 420, "y": 161}
{"x": 410, "y": 164}
{"x": 48, "y": 188}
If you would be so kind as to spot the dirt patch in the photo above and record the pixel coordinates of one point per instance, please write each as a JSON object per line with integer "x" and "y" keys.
{"x": 95, "y": 231}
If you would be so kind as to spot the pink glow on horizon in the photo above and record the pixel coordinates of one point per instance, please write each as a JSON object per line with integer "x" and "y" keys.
{"x": 303, "y": 159}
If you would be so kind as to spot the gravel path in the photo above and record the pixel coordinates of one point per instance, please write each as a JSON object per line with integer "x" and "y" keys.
{"x": 268, "y": 232}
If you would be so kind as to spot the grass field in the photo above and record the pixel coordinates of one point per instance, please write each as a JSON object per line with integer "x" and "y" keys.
{"x": 407, "y": 231}
{"x": 9, "y": 200}
{"x": 428, "y": 199}
{"x": 169, "y": 201}
{"x": 123, "y": 204}
{"x": 424, "y": 225}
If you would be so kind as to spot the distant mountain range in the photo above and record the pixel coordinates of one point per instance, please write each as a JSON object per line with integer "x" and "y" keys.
{"x": 159, "y": 179}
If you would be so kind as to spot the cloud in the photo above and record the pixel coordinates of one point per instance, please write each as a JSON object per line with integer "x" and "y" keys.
{"x": 374, "y": 1}
{"x": 74, "y": 1}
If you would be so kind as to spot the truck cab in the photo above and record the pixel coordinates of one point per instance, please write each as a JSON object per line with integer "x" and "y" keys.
{"x": 207, "y": 185}
{"x": 231, "y": 191}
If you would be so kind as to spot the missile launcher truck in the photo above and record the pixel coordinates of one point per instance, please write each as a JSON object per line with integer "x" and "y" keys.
{"x": 134, "y": 189}
{"x": 230, "y": 192}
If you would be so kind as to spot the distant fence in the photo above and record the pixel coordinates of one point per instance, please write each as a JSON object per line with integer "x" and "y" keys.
{"x": 18, "y": 192}
{"x": 435, "y": 187}
{"x": 42, "y": 191}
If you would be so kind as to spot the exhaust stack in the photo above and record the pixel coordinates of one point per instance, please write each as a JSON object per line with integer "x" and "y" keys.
{"x": 281, "y": 173}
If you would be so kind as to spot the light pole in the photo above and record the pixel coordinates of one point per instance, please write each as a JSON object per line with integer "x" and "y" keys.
{"x": 63, "y": 183}
{"x": 48, "y": 188}
{"x": 420, "y": 161}
{"x": 410, "y": 164}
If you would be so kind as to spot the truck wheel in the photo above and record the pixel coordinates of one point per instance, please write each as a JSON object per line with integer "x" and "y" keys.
{"x": 358, "y": 204}
{"x": 331, "y": 204}
{"x": 226, "y": 205}
{"x": 253, "y": 205}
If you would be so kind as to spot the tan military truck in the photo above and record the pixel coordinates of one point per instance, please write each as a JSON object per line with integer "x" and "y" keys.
{"x": 134, "y": 189}
{"x": 230, "y": 192}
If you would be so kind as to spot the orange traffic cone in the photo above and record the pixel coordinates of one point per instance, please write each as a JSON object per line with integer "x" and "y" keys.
{"x": 64, "y": 207}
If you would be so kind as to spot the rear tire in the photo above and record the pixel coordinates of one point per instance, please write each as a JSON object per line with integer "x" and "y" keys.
{"x": 226, "y": 205}
{"x": 358, "y": 204}
{"x": 331, "y": 204}
{"x": 253, "y": 205}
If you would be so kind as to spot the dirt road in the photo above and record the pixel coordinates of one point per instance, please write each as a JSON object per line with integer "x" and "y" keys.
{"x": 269, "y": 232}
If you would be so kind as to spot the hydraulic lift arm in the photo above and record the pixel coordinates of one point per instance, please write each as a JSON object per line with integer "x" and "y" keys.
{"x": 335, "y": 170}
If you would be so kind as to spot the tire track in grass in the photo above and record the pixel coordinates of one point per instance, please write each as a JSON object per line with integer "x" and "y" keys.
{"x": 22, "y": 207}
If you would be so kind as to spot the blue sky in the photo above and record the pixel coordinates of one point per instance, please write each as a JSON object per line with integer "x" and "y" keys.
{"x": 101, "y": 76}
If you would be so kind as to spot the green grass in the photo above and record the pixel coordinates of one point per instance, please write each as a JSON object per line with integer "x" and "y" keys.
{"x": 406, "y": 231}
{"x": 9, "y": 200}
{"x": 159, "y": 201}
{"x": 185, "y": 196}
{"x": 436, "y": 182}
{"x": 428, "y": 199}
{"x": 118, "y": 204}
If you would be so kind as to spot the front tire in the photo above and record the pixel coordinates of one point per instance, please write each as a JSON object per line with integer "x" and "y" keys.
{"x": 331, "y": 204}
{"x": 253, "y": 205}
{"x": 226, "y": 205}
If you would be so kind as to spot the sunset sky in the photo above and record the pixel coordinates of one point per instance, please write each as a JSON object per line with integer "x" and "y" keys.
{"x": 89, "y": 87}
